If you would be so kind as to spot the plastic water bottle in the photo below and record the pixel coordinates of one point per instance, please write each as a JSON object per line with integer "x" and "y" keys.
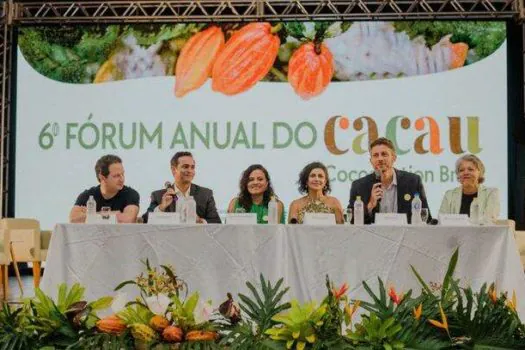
{"x": 273, "y": 212}
{"x": 180, "y": 207}
{"x": 474, "y": 212}
{"x": 359, "y": 211}
{"x": 416, "y": 209}
{"x": 191, "y": 210}
{"x": 91, "y": 208}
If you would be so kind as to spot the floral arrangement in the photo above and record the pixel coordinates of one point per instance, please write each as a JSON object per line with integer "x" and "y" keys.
{"x": 166, "y": 316}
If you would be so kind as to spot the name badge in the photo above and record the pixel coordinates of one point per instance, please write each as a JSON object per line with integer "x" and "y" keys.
{"x": 454, "y": 220}
{"x": 241, "y": 219}
{"x": 391, "y": 219}
{"x": 319, "y": 219}
{"x": 162, "y": 218}
{"x": 99, "y": 219}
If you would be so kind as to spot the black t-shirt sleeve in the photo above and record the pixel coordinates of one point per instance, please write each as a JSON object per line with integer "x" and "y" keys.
{"x": 82, "y": 198}
{"x": 132, "y": 197}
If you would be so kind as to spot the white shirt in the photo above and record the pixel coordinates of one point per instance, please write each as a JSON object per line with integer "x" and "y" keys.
{"x": 181, "y": 194}
{"x": 389, "y": 200}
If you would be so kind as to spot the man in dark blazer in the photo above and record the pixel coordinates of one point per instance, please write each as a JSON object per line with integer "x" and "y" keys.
{"x": 387, "y": 190}
{"x": 183, "y": 170}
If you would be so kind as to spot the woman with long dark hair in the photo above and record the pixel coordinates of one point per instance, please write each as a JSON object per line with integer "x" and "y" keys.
{"x": 255, "y": 192}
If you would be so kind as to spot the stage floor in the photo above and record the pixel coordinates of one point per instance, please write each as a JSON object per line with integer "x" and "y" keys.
{"x": 13, "y": 294}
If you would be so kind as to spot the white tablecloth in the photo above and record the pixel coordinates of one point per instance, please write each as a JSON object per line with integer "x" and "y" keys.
{"x": 216, "y": 259}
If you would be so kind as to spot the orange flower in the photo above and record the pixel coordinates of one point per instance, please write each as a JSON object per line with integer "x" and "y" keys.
{"x": 513, "y": 304}
{"x": 396, "y": 298}
{"x": 417, "y": 312}
{"x": 341, "y": 292}
{"x": 444, "y": 323}
{"x": 196, "y": 59}
{"x": 493, "y": 294}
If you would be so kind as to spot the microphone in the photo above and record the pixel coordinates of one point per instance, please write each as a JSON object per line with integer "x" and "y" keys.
{"x": 293, "y": 221}
{"x": 167, "y": 186}
{"x": 377, "y": 174}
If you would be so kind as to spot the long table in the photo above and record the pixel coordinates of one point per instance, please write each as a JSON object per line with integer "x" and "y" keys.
{"x": 216, "y": 259}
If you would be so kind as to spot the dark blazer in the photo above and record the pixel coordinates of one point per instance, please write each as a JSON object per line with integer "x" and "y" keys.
{"x": 407, "y": 184}
{"x": 203, "y": 196}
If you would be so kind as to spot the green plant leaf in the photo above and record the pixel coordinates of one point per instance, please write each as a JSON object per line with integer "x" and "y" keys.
{"x": 421, "y": 281}
{"x": 101, "y": 303}
{"x": 123, "y": 284}
{"x": 450, "y": 272}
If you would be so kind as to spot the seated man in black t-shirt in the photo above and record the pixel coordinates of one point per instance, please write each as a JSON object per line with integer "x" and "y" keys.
{"x": 110, "y": 193}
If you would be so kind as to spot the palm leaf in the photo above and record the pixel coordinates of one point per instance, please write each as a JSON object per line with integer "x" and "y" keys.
{"x": 421, "y": 281}
{"x": 450, "y": 272}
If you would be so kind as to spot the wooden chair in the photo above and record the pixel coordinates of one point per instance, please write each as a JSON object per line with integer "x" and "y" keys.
{"x": 45, "y": 239}
{"x": 4, "y": 262}
{"x": 23, "y": 237}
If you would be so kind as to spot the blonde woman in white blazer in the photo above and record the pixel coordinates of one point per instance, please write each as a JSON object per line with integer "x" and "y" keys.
{"x": 470, "y": 172}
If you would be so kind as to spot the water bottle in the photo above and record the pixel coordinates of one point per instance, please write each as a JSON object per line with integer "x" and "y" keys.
{"x": 474, "y": 212}
{"x": 191, "y": 211}
{"x": 359, "y": 211}
{"x": 180, "y": 207}
{"x": 416, "y": 209}
{"x": 273, "y": 212}
{"x": 91, "y": 208}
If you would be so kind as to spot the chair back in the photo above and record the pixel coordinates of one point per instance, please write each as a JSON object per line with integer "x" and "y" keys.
{"x": 45, "y": 239}
{"x": 25, "y": 237}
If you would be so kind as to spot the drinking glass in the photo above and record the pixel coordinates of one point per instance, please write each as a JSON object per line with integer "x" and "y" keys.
{"x": 104, "y": 212}
{"x": 424, "y": 216}
{"x": 349, "y": 214}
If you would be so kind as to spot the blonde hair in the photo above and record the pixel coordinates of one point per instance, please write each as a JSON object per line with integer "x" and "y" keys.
{"x": 477, "y": 163}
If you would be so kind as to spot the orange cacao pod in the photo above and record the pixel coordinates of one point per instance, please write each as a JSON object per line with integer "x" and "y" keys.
{"x": 158, "y": 323}
{"x": 201, "y": 335}
{"x": 111, "y": 324}
{"x": 195, "y": 62}
{"x": 246, "y": 58}
{"x": 172, "y": 334}
{"x": 310, "y": 70}
{"x": 459, "y": 53}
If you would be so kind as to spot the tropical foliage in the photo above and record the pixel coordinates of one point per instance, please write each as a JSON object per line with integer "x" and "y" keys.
{"x": 166, "y": 316}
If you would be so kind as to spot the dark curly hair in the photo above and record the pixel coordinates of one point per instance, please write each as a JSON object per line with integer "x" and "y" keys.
{"x": 245, "y": 198}
{"x": 305, "y": 173}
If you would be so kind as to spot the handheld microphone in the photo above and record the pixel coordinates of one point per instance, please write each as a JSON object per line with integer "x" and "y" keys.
{"x": 377, "y": 174}
{"x": 168, "y": 185}
{"x": 293, "y": 221}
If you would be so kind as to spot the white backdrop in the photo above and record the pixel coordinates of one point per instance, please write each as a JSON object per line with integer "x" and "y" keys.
{"x": 49, "y": 180}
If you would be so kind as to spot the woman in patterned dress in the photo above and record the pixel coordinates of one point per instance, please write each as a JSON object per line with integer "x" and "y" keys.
{"x": 315, "y": 184}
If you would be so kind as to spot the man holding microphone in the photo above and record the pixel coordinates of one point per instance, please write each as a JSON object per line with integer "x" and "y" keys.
{"x": 387, "y": 190}
{"x": 183, "y": 170}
